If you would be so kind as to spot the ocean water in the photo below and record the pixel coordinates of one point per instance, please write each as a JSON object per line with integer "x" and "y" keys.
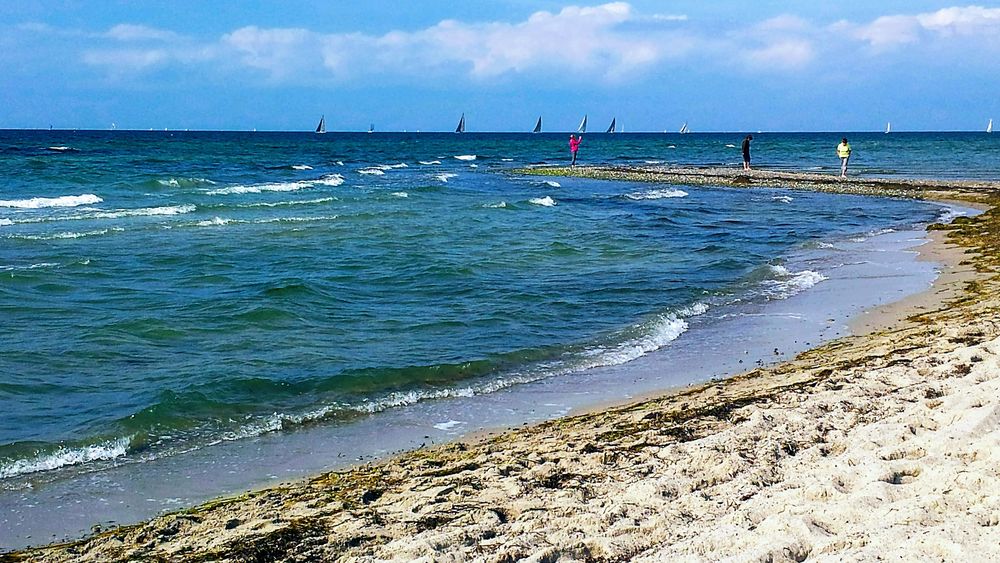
{"x": 164, "y": 294}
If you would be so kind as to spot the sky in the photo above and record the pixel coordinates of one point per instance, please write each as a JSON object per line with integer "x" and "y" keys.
{"x": 722, "y": 65}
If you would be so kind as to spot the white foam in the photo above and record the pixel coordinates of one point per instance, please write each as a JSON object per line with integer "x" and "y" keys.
{"x": 790, "y": 283}
{"x": 657, "y": 194}
{"x": 30, "y": 267}
{"x": 500, "y": 205}
{"x": 64, "y": 457}
{"x": 41, "y": 202}
{"x": 448, "y": 425}
{"x": 546, "y": 201}
{"x": 730, "y": 146}
{"x": 444, "y": 177}
{"x": 653, "y": 161}
{"x": 65, "y": 235}
{"x": 473, "y": 166}
{"x": 949, "y": 214}
{"x": 330, "y": 180}
{"x": 287, "y": 203}
{"x": 213, "y": 222}
{"x": 5, "y": 222}
{"x": 466, "y": 157}
{"x": 430, "y": 162}
{"x": 60, "y": 148}
{"x": 258, "y": 188}
{"x": 372, "y": 171}
{"x": 660, "y": 332}
{"x": 507, "y": 159}
{"x": 782, "y": 198}
{"x": 301, "y": 167}
{"x": 553, "y": 184}
{"x": 140, "y": 212}
{"x": 400, "y": 194}
{"x": 175, "y": 183}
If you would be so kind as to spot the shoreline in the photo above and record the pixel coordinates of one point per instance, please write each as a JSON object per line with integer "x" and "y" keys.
{"x": 529, "y": 491}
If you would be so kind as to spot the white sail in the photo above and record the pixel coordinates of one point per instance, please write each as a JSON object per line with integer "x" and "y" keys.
{"x": 888, "y": 128}
{"x": 321, "y": 128}
{"x": 583, "y": 125}
{"x": 684, "y": 128}
{"x": 989, "y": 126}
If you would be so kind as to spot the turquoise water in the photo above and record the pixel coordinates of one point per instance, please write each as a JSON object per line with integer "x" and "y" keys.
{"x": 164, "y": 292}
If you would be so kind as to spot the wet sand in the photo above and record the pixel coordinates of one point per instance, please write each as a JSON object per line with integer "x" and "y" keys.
{"x": 880, "y": 445}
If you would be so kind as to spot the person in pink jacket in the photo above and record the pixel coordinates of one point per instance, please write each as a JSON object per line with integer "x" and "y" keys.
{"x": 574, "y": 145}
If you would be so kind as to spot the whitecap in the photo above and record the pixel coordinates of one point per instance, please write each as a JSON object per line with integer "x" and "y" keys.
{"x": 782, "y": 198}
{"x": 301, "y": 167}
{"x": 372, "y": 171}
{"x": 430, "y": 162}
{"x": 730, "y": 146}
{"x": 65, "y": 235}
{"x": 473, "y": 166}
{"x": 653, "y": 161}
{"x": 288, "y": 203}
{"x": 400, "y": 194}
{"x": 657, "y": 194}
{"x": 330, "y": 180}
{"x": 500, "y": 205}
{"x": 213, "y": 222}
{"x": 64, "y": 457}
{"x": 553, "y": 184}
{"x": 546, "y": 201}
{"x": 507, "y": 159}
{"x": 140, "y": 212}
{"x": 258, "y": 188}
{"x": 41, "y": 202}
{"x": 5, "y": 222}
{"x": 444, "y": 177}
{"x": 790, "y": 283}
{"x": 466, "y": 157}
{"x": 60, "y": 148}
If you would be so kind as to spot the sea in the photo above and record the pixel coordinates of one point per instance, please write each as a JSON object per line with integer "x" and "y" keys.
{"x": 191, "y": 314}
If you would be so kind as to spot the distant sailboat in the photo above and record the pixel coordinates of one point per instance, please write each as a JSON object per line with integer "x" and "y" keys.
{"x": 371, "y": 128}
{"x": 684, "y": 128}
{"x": 611, "y": 128}
{"x": 888, "y": 128}
{"x": 461, "y": 125}
{"x": 583, "y": 125}
{"x": 989, "y": 126}
{"x": 538, "y": 125}
{"x": 321, "y": 128}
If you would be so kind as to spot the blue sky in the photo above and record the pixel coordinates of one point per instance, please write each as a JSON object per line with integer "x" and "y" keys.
{"x": 417, "y": 65}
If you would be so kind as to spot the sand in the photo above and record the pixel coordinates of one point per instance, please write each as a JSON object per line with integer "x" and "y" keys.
{"x": 879, "y": 446}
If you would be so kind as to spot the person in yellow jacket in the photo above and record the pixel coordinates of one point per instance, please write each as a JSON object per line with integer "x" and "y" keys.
{"x": 844, "y": 152}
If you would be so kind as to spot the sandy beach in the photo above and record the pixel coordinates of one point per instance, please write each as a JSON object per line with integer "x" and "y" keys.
{"x": 884, "y": 445}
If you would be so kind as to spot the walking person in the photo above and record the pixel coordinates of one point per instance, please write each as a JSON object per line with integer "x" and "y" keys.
{"x": 574, "y": 145}
{"x": 746, "y": 152}
{"x": 844, "y": 152}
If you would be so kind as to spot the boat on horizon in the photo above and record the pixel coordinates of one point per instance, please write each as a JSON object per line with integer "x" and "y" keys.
{"x": 371, "y": 128}
{"x": 611, "y": 128}
{"x": 583, "y": 125}
{"x": 461, "y": 125}
{"x": 538, "y": 125}
{"x": 321, "y": 128}
{"x": 888, "y": 127}
{"x": 989, "y": 126}
{"x": 684, "y": 128}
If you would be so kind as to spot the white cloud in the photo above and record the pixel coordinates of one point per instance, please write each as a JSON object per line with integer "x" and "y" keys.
{"x": 130, "y": 32}
{"x": 897, "y": 30}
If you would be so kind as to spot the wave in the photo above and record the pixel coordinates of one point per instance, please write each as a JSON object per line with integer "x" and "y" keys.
{"x": 553, "y": 184}
{"x": 62, "y": 149}
{"x": 184, "y": 182}
{"x": 400, "y": 194}
{"x": 68, "y": 235}
{"x": 782, "y": 198}
{"x": 330, "y": 180}
{"x": 64, "y": 456}
{"x": 139, "y": 212}
{"x": 5, "y": 222}
{"x": 466, "y": 157}
{"x": 656, "y": 194}
{"x": 29, "y": 267}
{"x": 499, "y": 205}
{"x": 259, "y": 188}
{"x": 213, "y": 222}
{"x": 444, "y": 177}
{"x": 373, "y": 171}
{"x": 286, "y": 203}
{"x": 546, "y": 201}
{"x": 430, "y": 162}
{"x": 42, "y": 202}
{"x": 790, "y": 283}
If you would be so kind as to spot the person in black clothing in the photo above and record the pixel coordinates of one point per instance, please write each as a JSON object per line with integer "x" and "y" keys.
{"x": 746, "y": 152}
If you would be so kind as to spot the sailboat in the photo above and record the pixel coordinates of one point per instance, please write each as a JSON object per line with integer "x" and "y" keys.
{"x": 461, "y": 125}
{"x": 538, "y": 125}
{"x": 888, "y": 128}
{"x": 989, "y": 126}
{"x": 684, "y": 128}
{"x": 321, "y": 128}
{"x": 583, "y": 125}
{"x": 611, "y": 128}
{"x": 371, "y": 128}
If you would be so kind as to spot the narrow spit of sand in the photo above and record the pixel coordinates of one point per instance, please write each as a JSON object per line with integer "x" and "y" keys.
{"x": 880, "y": 446}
